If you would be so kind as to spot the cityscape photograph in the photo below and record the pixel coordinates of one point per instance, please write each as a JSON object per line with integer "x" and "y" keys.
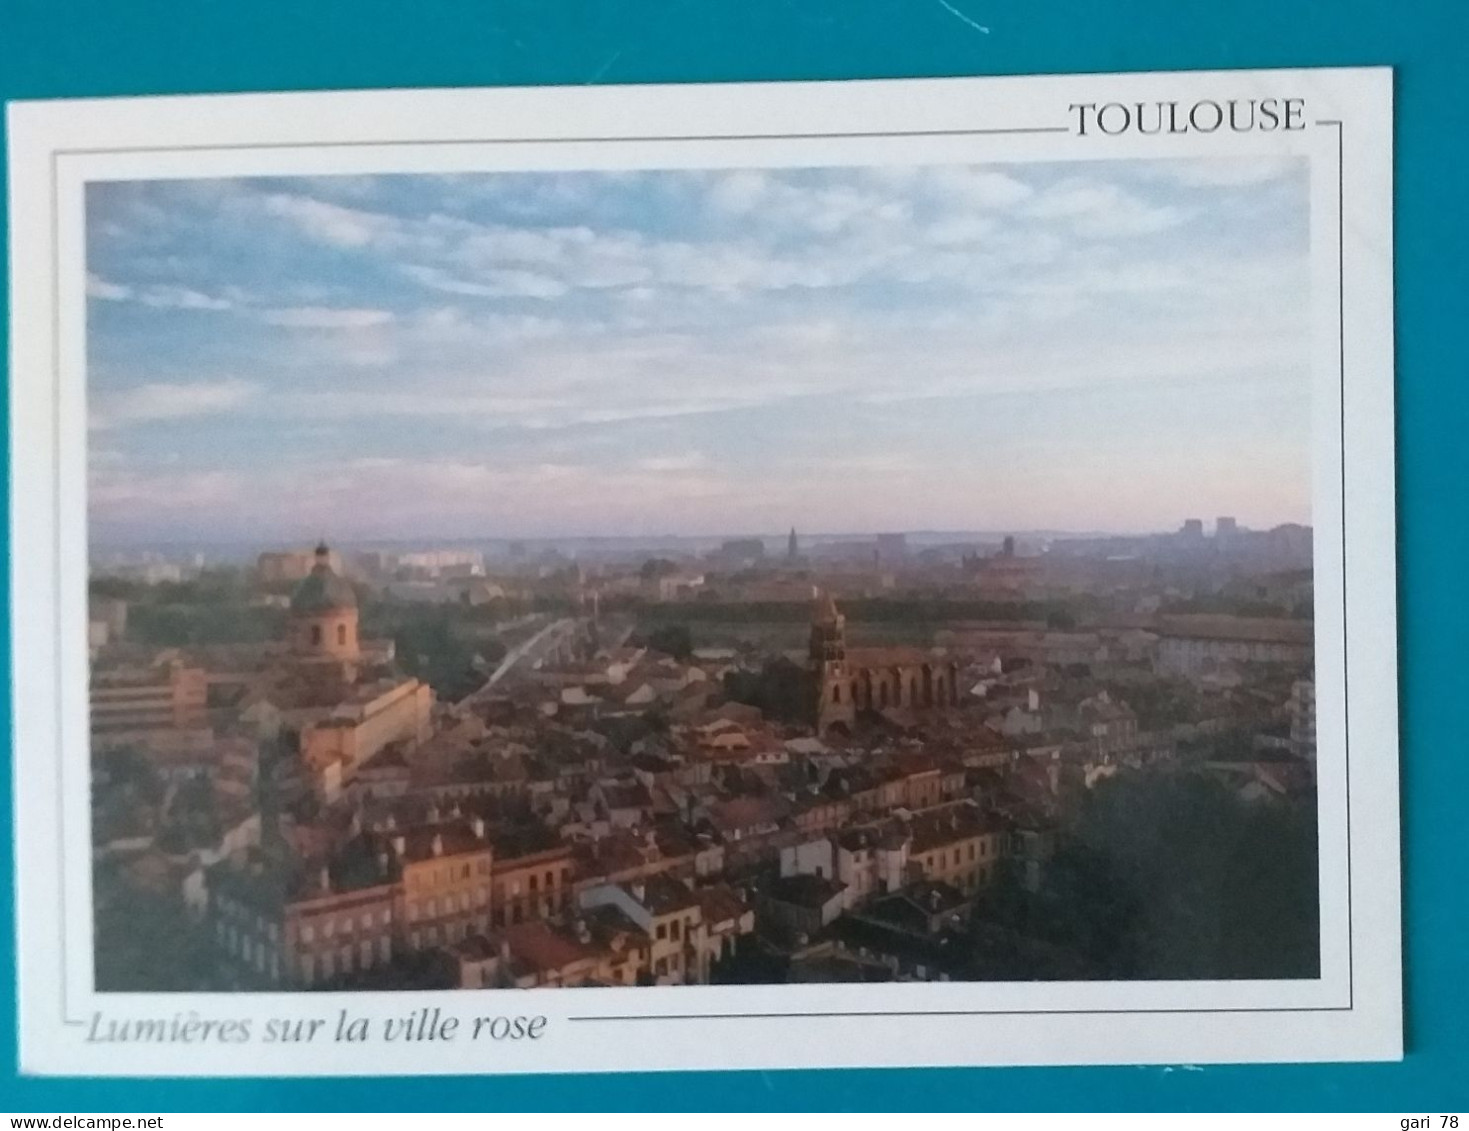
{"x": 702, "y": 577}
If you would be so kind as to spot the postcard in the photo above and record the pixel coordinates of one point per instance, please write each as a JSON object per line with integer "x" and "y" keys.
{"x": 754, "y": 576}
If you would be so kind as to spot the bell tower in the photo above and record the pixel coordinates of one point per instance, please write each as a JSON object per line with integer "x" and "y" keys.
{"x": 828, "y": 660}
{"x": 322, "y": 630}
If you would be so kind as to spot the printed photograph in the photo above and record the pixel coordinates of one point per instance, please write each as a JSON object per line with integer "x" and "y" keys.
{"x": 702, "y": 576}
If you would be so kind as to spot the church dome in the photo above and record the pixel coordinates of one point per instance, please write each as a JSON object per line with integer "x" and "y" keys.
{"x": 324, "y": 589}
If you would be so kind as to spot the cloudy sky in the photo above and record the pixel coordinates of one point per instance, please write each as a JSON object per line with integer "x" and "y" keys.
{"x": 1109, "y": 346}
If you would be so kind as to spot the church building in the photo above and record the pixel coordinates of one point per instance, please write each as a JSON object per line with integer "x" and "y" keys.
{"x": 359, "y": 715}
{"x": 851, "y": 680}
{"x": 323, "y": 622}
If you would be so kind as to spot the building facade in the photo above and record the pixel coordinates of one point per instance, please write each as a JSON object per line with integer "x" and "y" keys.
{"x": 871, "y": 679}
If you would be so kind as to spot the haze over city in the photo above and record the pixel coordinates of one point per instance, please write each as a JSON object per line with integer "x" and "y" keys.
{"x": 1099, "y": 347}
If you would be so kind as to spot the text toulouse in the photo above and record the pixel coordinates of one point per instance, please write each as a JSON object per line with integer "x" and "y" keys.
{"x": 1239, "y": 115}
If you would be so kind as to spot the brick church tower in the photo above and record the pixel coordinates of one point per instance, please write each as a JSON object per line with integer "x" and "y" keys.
{"x": 830, "y": 678}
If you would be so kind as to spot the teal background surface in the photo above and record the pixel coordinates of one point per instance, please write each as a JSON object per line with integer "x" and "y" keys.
{"x": 82, "y": 48}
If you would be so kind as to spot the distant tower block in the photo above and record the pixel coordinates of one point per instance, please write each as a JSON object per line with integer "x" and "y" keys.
{"x": 324, "y": 614}
{"x": 1225, "y": 528}
{"x": 1193, "y": 529}
{"x": 793, "y": 548}
{"x": 891, "y": 548}
{"x": 829, "y": 667}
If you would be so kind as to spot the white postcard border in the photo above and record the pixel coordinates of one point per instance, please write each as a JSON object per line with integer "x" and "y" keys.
{"x": 1352, "y": 1012}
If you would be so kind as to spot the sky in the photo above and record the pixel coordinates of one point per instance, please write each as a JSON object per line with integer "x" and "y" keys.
{"x": 1100, "y": 346}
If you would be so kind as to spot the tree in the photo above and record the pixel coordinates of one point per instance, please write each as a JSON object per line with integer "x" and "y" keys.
{"x": 783, "y": 690}
{"x": 654, "y": 568}
{"x": 1169, "y": 876}
{"x": 672, "y": 640}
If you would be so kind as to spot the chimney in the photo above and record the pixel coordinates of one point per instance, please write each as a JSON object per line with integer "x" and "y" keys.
{"x": 400, "y": 845}
{"x": 478, "y": 824}
{"x": 438, "y": 845}
{"x": 382, "y": 863}
{"x": 639, "y": 891}
{"x": 326, "y": 879}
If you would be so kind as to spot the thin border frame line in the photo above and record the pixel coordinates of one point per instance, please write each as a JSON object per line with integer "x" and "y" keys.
{"x": 56, "y": 154}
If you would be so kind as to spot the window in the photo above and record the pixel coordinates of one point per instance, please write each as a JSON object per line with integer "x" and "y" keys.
{"x": 836, "y": 693}
{"x": 328, "y": 926}
{"x": 550, "y": 880}
{"x": 341, "y": 634}
{"x": 366, "y": 920}
{"x": 662, "y": 933}
{"x": 308, "y": 932}
{"x": 534, "y": 881}
{"x": 464, "y": 873}
{"x": 673, "y": 930}
{"x": 316, "y": 635}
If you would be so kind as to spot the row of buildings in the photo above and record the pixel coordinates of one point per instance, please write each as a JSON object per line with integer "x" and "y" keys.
{"x": 617, "y": 816}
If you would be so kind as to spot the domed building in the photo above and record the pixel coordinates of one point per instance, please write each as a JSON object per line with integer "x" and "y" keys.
{"x": 323, "y": 624}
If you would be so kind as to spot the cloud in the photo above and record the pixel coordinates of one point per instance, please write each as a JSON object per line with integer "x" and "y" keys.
{"x": 739, "y": 192}
{"x": 959, "y": 229}
{"x": 111, "y": 292}
{"x": 327, "y": 223}
{"x": 157, "y": 296}
{"x": 160, "y": 401}
{"x": 327, "y": 318}
{"x": 181, "y": 298}
{"x": 691, "y": 461}
{"x": 1228, "y": 172}
{"x": 491, "y": 284}
{"x": 1102, "y": 210}
{"x": 974, "y": 187}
